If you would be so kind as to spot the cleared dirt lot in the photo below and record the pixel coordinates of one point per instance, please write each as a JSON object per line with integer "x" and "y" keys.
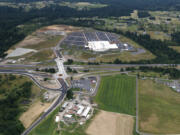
{"x": 38, "y": 36}
{"x": 33, "y": 113}
{"x": 109, "y": 123}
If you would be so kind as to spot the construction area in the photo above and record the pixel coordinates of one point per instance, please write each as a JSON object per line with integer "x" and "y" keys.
{"x": 97, "y": 41}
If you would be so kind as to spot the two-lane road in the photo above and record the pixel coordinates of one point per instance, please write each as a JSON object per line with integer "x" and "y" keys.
{"x": 56, "y": 103}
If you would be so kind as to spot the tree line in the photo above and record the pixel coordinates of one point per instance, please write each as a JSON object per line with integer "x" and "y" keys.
{"x": 10, "y": 109}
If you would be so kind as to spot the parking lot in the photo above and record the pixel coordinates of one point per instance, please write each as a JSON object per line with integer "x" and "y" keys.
{"x": 81, "y": 38}
{"x": 87, "y": 84}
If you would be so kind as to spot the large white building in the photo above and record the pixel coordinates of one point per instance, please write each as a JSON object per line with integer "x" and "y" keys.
{"x": 86, "y": 111}
{"x": 100, "y": 46}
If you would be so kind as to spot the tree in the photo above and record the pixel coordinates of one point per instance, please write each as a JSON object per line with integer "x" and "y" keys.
{"x": 69, "y": 69}
{"x": 122, "y": 70}
{"x": 70, "y": 94}
{"x": 69, "y": 62}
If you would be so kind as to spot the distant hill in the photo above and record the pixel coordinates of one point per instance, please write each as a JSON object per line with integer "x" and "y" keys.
{"x": 137, "y": 4}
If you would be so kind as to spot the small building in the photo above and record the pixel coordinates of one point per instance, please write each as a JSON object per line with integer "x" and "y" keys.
{"x": 57, "y": 119}
{"x": 86, "y": 111}
{"x": 70, "y": 106}
{"x": 68, "y": 116}
{"x": 64, "y": 105}
{"x": 81, "y": 108}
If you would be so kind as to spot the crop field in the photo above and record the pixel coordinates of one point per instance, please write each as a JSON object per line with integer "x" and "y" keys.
{"x": 159, "y": 108}
{"x": 117, "y": 94}
{"x": 118, "y": 124}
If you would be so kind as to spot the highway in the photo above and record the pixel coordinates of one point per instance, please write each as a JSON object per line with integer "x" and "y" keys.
{"x": 118, "y": 65}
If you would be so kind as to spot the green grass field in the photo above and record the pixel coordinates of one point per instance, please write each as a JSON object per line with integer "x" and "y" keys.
{"x": 159, "y": 108}
{"x": 117, "y": 94}
{"x": 47, "y": 126}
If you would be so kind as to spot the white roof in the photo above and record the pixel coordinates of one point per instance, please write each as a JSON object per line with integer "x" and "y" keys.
{"x": 57, "y": 119}
{"x": 86, "y": 111}
{"x": 88, "y": 116}
{"x": 81, "y": 108}
{"x": 125, "y": 44}
{"x": 70, "y": 106}
{"x": 101, "y": 45}
{"x": 68, "y": 116}
{"x": 65, "y": 104}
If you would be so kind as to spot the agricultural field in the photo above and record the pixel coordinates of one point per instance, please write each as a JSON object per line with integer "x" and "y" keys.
{"x": 117, "y": 93}
{"x": 118, "y": 124}
{"x": 159, "y": 108}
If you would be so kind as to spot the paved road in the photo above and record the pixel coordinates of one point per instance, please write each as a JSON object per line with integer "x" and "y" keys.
{"x": 31, "y": 75}
{"x": 18, "y": 65}
{"x": 118, "y": 65}
{"x": 64, "y": 89}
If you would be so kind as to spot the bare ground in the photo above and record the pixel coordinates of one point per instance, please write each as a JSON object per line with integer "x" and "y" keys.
{"x": 33, "y": 113}
{"x": 109, "y": 123}
{"x": 36, "y": 37}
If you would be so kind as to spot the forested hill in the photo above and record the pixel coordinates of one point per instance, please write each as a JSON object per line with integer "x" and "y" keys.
{"x": 17, "y": 19}
{"x": 135, "y": 4}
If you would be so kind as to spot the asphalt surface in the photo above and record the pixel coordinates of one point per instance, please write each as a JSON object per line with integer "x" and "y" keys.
{"x": 31, "y": 75}
{"x": 58, "y": 101}
{"x": 63, "y": 89}
{"x": 118, "y": 65}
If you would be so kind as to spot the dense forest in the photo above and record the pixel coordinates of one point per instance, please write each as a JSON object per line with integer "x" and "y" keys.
{"x": 11, "y": 20}
{"x": 10, "y": 101}
{"x": 176, "y": 37}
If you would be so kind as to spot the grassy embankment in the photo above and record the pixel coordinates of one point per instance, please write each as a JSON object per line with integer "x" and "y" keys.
{"x": 159, "y": 108}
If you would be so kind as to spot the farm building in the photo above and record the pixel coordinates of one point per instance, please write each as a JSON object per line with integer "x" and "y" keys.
{"x": 81, "y": 108}
{"x": 64, "y": 105}
{"x": 86, "y": 111}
